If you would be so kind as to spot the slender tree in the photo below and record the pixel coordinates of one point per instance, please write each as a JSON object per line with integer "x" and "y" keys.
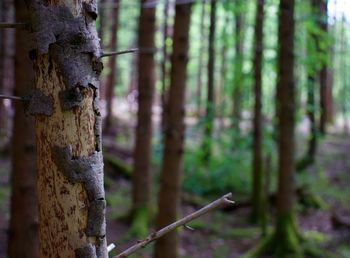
{"x": 286, "y": 236}
{"x": 238, "y": 63}
{"x": 210, "y": 108}
{"x": 142, "y": 152}
{"x": 23, "y": 230}
{"x": 257, "y": 197}
{"x": 201, "y": 57}
{"x": 169, "y": 195}
{"x": 112, "y": 65}
{"x": 65, "y": 104}
{"x": 325, "y": 101}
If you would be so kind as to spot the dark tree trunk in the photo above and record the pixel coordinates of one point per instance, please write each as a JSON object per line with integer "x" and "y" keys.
{"x": 238, "y": 65}
{"x": 146, "y": 80}
{"x": 200, "y": 59}
{"x": 7, "y": 68}
{"x": 286, "y": 230}
{"x": 325, "y": 104}
{"x": 169, "y": 196}
{"x": 112, "y": 65}
{"x": 23, "y": 232}
{"x": 164, "y": 66}
{"x": 210, "y": 109}
{"x": 258, "y": 213}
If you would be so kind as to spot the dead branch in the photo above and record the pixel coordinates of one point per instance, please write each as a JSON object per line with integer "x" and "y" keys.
{"x": 115, "y": 53}
{"x": 14, "y": 25}
{"x": 224, "y": 200}
{"x": 10, "y": 97}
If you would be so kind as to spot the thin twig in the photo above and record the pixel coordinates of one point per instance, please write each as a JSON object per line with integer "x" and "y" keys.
{"x": 12, "y": 25}
{"x": 154, "y": 236}
{"x": 115, "y": 53}
{"x": 10, "y": 97}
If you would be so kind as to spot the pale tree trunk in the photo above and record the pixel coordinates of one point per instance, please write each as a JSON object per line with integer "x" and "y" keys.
{"x": 68, "y": 129}
{"x": 286, "y": 236}
{"x": 210, "y": 105}
{"x": 142, "y": 153}
{"x": 23, "y": 232}
{"x": 112, "y": 65}
{"x": 258, "y": 213}
{"x": 169, "y": 195}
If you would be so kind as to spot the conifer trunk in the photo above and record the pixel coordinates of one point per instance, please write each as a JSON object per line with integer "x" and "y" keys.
{"x": 257, "y": 197}
{"x": 66, "y": 53}
{"x": 169, "y": 195}
{"x": 142, "y": 153}
{"x": 23, "y": 231}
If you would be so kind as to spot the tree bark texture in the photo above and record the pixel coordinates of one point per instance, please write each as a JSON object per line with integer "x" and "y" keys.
{"x": 112, "y": 65}
{"x": 257, "y": 197}
{"x": 210, "y": 108}
{"x": 146, "y": 81}
{"x": 68, "y": 129}
{"x": 286, "y": 234}
{"x": 23, "y": 231}
{"x": 169, "y": 196}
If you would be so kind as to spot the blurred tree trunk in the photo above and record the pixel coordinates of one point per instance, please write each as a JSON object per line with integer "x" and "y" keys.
{"x": 210, "y": 109}
{"x": 112, "y": 65}
{"x": 201, "y": 58}
{"x": 23, "y": 231}
{"x": 7, "y": 70}
{"x": 238, "y": 82}
{"x": 325, "y": 87}
{"x": 68, "y": 123}
{"x": 164, "y": 62}
{"x": 169, "y": 195}
{"x": 286, "y": 236}
{"x": 142, "y": 153}
{"x": 258, "y": 213}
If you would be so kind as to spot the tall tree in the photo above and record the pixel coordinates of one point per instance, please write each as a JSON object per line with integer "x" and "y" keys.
{"x": 142, "y": 152}
{"x": 112, "y": 65}
{"x": 286, "y": 235}
{"x": 201, "y": 57}
{"x": 238, "y": 63}
{"x": 65, "y": 103}
{"x": 325, "y": 87}
{"x": 210, "y": 108}
{"x": 257, "y": 197}
{"x": 169, "y": 195}
{"x": 23, "y": 231}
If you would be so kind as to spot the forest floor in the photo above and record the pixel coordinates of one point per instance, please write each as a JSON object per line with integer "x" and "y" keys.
{"x": 228, "y": 234}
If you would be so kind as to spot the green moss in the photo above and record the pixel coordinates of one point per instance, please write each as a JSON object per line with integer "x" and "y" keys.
{"x": 139, "y": 225}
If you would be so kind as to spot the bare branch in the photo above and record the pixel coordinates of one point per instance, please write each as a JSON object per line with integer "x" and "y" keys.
{"x": 120, "y": 52}
{"x": 224, "y": 200}
{"x": 10, "y": 97}
{"x": 15, "y": 25}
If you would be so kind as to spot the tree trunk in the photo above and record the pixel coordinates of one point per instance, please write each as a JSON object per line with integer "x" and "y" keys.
{"x": 258, "y": 213}
{"x": 164, "y": 62}
{"x": 112, "y": 65}
{"x": 23, "y": 232}
{"x": 68, "y": 129}
{"x": 286, "y": 230}
{"x": 169, "y": 195}
{"x": 200, "y": 58}
{"x": 146, "y": 81}
{"x": 325, "y": 105}
{"x": 7, "y": 70}
{"x": 210, "y": 109}
{"x": 238, "y": 65}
